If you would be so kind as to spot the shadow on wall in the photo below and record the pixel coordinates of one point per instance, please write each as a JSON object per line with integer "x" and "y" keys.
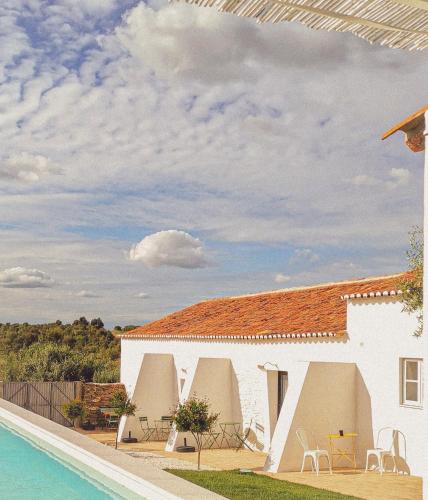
{"x": 156, "y": 391}
{"x": 215, "y": 380}
{"x": 400, "y": 452}
{"x": 333, "y": 397}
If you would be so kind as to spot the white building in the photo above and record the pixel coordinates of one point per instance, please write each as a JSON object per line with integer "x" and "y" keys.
{"x": 328, "y": 357}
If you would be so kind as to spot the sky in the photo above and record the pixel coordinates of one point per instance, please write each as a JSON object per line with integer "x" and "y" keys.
{"x": 154, "y": 155}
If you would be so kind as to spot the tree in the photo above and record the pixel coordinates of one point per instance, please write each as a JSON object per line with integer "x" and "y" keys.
{"x": 193, "y": 416}
{"x": 123, "y": 407}
{"x": 73, "y": 410}
{"x": 412, "y": 284}
{"x": 97, "y": 322}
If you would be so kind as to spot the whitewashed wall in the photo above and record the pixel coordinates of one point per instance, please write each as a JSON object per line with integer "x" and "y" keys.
{"x": 379, "y": 335}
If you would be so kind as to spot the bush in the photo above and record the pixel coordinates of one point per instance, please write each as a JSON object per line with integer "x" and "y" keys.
{"x": 73, "y": 410}
{"x": 193, "y": 416}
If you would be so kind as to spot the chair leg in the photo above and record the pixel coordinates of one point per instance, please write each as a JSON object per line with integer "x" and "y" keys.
{"x": 303, "y": 464}
{"x": 329, "y": 463}
{"x": 367, "y": 462}
{"x": 380, "y": 461}
{"x": 317, "y": 465}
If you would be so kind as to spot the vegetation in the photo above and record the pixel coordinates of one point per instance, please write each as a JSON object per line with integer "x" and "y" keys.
{"x": 238, "y": 486}
{"x": 73, "y": 410}
{"x": 123, "y": 407}
{"x": 412, "y": 285}
{"x": 193, "y": 416}
{"x": 83, "y": 350}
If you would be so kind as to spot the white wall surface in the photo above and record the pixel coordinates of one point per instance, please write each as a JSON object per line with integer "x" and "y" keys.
{"x": 379, "y": 334}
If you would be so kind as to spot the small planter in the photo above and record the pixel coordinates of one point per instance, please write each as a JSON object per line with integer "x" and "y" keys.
{"x": 87, "y": 426}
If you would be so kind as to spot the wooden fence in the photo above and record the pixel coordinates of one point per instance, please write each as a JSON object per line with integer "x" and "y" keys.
{"x": 43, "y": 398}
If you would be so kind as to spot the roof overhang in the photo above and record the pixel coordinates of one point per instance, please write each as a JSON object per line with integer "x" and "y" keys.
{"x": 395, "y": 23}
{"x": 414, "y": 128}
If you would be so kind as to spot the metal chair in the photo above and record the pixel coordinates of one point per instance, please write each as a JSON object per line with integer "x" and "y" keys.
{"x": 313, "y": 454}
{"x": 145, "y": 427}
{"x": 113, "y": 421}
{"x": 165, "y": 429}
{"x": 384, "y": 448}
{"x": 242, "y": 439}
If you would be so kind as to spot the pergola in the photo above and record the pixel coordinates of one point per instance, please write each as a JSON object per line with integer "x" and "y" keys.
{"x": 395, "y": 23}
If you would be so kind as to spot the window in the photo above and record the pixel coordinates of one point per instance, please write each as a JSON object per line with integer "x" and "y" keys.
{"x": 282, "y": 389}
{"x": 411, "y": 382}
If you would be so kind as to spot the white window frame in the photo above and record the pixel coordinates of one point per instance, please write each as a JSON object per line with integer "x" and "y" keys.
{"x": 404, "y": 380}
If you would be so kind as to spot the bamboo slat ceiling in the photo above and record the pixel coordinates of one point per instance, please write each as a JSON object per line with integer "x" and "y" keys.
{"x": 395, "y": 23}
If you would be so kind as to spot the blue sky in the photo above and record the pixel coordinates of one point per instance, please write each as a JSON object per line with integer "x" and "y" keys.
{"x": 157, "y": 154}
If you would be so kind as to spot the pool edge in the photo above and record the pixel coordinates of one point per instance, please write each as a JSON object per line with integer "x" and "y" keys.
{"x": 141, "y": 479}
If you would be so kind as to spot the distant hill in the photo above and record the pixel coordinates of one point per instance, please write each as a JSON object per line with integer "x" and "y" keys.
{"x": 83, "y": 350}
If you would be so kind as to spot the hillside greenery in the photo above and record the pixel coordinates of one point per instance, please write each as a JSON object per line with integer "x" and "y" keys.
{"x": 83, "y": 350}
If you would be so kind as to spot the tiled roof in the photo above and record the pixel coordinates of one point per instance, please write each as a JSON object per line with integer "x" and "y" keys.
{"x": 296, "y": 313}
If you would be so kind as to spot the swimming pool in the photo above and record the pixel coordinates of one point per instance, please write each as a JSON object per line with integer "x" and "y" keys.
{"x": 29, "y": 472}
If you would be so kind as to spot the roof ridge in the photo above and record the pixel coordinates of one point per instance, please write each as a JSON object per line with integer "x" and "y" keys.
{"x": 305, "y": 287}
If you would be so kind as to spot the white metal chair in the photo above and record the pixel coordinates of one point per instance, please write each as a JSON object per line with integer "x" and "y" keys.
{"x": 313, "y": 454}
{"x": 384, "y": 448}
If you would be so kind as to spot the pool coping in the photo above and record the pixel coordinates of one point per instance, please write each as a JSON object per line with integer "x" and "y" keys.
{"x": 143, "y": 479}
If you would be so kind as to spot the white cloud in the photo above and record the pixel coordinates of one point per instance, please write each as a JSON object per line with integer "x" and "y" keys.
{"x": 26, "y": 167}
{"x": 397, "y": 177}
{"x": 20, "y": 277}
{"x": 179, "y": 41}
{"x": 282, "y": 278}
{"x": 142, "y": 295}
{"x": 170, "y": 248}
{"x": 86, "y": 294}
{"x": 304, "y": 255}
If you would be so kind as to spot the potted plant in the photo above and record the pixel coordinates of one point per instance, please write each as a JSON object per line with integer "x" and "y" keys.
{"x": 74, "y": 410}
{"x": 193, "y": 416}
{"x": 87, "y": 425}
{"x": 123, "y": 407}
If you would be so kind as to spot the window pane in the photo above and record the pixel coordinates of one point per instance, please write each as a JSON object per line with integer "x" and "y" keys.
{"x": 412, "y": 391}
{"x": 411, "y": 370}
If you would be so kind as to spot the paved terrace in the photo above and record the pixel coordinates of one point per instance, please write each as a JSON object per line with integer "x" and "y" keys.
{"x": 370, "y": 486}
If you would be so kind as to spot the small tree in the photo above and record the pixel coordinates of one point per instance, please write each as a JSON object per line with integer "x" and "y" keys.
{"x": 193, "y": 416}
{"x": 123, "y": 407}
{"x": 73, "y": 410}
{"x": 412, "y": 284}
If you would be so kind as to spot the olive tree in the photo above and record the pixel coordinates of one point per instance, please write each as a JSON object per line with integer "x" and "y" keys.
{"x": 193, "y": 416}
{"x": 412, "y": 284}
{"x": 123, "y": 406}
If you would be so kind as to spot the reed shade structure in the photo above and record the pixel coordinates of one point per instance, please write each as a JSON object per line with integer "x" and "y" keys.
{"x": 395, "y": 23}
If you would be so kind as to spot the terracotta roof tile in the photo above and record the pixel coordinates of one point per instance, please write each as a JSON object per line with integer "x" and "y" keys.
{"x": 304, "y": 312}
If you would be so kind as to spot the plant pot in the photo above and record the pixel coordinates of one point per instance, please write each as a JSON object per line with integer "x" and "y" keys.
{"x": 87, "y": 426}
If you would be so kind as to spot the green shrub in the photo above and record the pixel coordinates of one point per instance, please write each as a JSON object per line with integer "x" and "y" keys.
{"x": 73, "y": 410}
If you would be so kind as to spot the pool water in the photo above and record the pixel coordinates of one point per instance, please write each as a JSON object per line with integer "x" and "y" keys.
{"x": 28, "y": 472}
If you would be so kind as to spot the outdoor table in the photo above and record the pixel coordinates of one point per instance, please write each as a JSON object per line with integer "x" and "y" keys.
{"x": 337, "y": 449}
{"x": 210, "y": 439}
{"x": 163, "y": 428}
{"x": 229, "y": 433}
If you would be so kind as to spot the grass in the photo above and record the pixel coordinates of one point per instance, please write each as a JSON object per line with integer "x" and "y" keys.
{"x": 238, "y": 486}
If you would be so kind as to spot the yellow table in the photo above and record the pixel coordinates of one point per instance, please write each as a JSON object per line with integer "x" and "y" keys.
{"x": 337, "y": 449}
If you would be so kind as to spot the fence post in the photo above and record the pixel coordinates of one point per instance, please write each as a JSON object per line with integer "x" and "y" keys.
{"x": 50, "y": 400}
{"x": 27, "y": 395}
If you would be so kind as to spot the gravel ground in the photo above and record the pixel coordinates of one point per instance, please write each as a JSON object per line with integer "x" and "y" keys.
{"x": 166, "y": 463}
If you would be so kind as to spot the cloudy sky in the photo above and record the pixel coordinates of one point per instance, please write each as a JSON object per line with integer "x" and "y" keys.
{"x": 156, "y": 154}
